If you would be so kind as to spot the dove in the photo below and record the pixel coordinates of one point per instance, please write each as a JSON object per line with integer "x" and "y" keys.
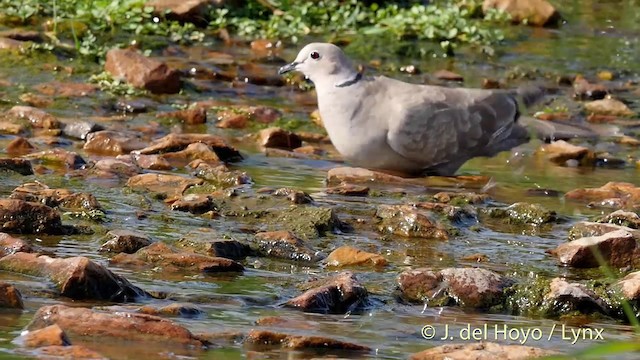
{"x": 386, "y": 124}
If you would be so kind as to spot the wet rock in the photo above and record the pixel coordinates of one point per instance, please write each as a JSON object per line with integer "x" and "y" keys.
{"x": 350, "y": 256}
{"x": 460, "y": 198}
{"x": 108, "y": 142}
{"x": 80, "y": 129}
{"x": 630, "y": 286}
{"x": 453, "y": 213}
{"x": 11, "y": 245}
{"x": 194, "y": 203}
{"x": 66, "y": 89}
{"x": 118, "y": 168}
{"x": 621, "y": 217}
{"x": 310, "y": 150}
{"x": 175, "y": 309}
{"x": 298, "y": 342}
{"x": 543, "y": 192}
{"x": 38, "y": 101}
{"x": 152, "y": 162}
{"x": 60, "y": 157}
{"x": 531, "y": 12}
{"x": 448, "y": 76}
{"x": 307, "y": 221}
{"x": 589, "y": 229}
{"x": 467, "y": 287}
{"x": 552, "y": 116}
{"x": 195, "y": 151}
{"x": 360, "y": 175}
{"x": 264, "y": 114}
{"x": 77, "y": 278}
{"x": 7, "y": 127}
{"x": 177, "y": 142}
{"x": 608, "y": 107}
{"x": 192, "y": 116}
{"x": 230, "y": 249}
{"x": 51, "y": 335}
{"x": 22, "y": 35}
{"x": 567, "y": 297}
{"x": 21, "y": 166}
{"x": 491, "y": 84}
{"x": 338, "y": 294}
{"x": 257, "y": 74}
{"x": 285, "y": 245}
{"x": 172, "y": 260}
{"x": 125, "y": 241}
{"x": 68, "y": 352}
{"x": 168, "y": 185}
{"x": 11, "y": 44}
{"x": 278, "y": 138}
{"x": 481, "y": 351}
{"x": 523, "y": 213}
{"x": 10, "y": 297}
{"x": 560, "y": 151}
{"x": 220, "y": 174}
{"x": 410, "y": 221}
{"x": 348, "y": 190}
{"x": 193, "y": 11}
{"x": 584, "y": 90}
{"x": 231, "y": 120}
{"x": 293, "y": 195}
{"x": 476, "y": 258}
{"x": 36, "y": 117}
{"x": 617, "y": 248}
{"x": 63, "y": 198}
{"x": 19, "y": 146}
{"x": 119, "y": 326}
{"x": 625, "y": 191}
{"x": 19, "y": 216}
{"x": 142, "y": 72}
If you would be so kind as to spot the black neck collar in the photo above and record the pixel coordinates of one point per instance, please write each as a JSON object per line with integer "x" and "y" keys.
{"x": 350, "y": 82}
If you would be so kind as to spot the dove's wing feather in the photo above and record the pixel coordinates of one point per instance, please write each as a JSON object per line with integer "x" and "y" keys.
{"x": 436, "y": 125}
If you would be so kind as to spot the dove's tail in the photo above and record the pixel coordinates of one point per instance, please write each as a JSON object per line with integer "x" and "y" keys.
{"x": 550, "y": 130}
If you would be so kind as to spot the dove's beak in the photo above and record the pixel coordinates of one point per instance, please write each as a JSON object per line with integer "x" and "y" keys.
{"x": 289, "y": 67}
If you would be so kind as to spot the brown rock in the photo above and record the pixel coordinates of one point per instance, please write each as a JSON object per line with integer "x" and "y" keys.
{"x": 336, "y": 295}
{"x": 310, "y": 150}
{"x": 491, "y": 84}
{"x": 169, "y": 185}
{"x": 448, "y": 76}
{"x": 348, "y": 190}
{"x": 36, "y": 117}
{"x": 265, "y": 337}
{"x": 77, "y": 277}
{"x": 125, "y": 241}
{"x": 175, "y": 309}
{"x": 51, "y": 335}
{"x": 108, "y": 142}
{"x": 122, "y": 168}
{"x": 461, "y": 197}
{"x": 195, "y": 151}
{"x": 360, "y": 175}
{"x": 38, "y": 101}
{"x": 68, "y": 352}
{"x": 285, "y": 245}
{"x": 293, "y": 195}
{"x": 10, "y": 297}
{"x": 617, "y": 248}
{"x": 278, "y": 138}
{"x": 574, "y": 297}
{"x": 409, "y": 221}
{"x": 21, "y": 166}
{"x": 66, "y": 89}
{"x": 63, "y": 198}
{"x": 142, "y": 72}
{"x": 118, "y": 326}
{"x": 18, "y": 216}
{"x": 60, "y": 157}
{"x": 630, "y": 286}
{"x": 220, "y": 174}
{"x": 7, "y": 127}
{"x": 11, "y": 245}
{"x": 152, "y": 162}
{"x": 19, "y": 146}
{"x": 560, "y": 152}
{"x": 584, "y": 90}
{"x": 621, "y": 217}
{"x": 177, "y": 142}
{"x": 628, "y": 140}
{"x": 264, "y": 114}
{"x": 588, "y": 229}
{"x": 10, "y": 44}
{"x": 531, "y": 12}
{"x": 626, "y": 191}
{"x": 194, "y": 11}
{"x": 481, "y": 351}
{"x": 170, "y": 259}
{"x": 230, "y": 249}
{"x": 554, "y": 116}
{"x": 608, "y": 107}
{"x": 192, "y": 116}
{"x": 230, "y": 120}
{"x": 350, "y": 256}
{"x": 194, "y": 203}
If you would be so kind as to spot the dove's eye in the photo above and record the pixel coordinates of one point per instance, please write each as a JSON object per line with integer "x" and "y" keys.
{"x": 315, "y": 55}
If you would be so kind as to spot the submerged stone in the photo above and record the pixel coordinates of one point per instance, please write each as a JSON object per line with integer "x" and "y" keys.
{"x": 125, "y": 241}
{"x": 285, "y": 245}
{"x": 301, "y": 342}
{"x": 338, "y": 294}
{"x": 350, "y": 256}
{"x": 481, "y": 350}
{"x": 409, "y": 221}
{"x": 20, "y": 166}
{"x": 19, "y": 216}
{"x": 10, "y": 297}
{"x": 617, "y": 248}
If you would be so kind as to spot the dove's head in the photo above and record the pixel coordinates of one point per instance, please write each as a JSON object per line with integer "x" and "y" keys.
{"x": 322, "y": 63}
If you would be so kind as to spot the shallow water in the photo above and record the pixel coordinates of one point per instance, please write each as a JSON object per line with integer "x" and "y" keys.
{"x": 598, "y": 36}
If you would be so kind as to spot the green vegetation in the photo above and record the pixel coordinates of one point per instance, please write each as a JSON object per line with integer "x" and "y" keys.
{"x": 90, "y": 27}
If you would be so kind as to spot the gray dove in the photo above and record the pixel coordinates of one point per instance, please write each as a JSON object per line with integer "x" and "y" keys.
{"x": 386, "y": 124}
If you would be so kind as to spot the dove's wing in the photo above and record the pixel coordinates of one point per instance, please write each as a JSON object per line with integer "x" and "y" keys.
{"x": 438, "y": 125}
